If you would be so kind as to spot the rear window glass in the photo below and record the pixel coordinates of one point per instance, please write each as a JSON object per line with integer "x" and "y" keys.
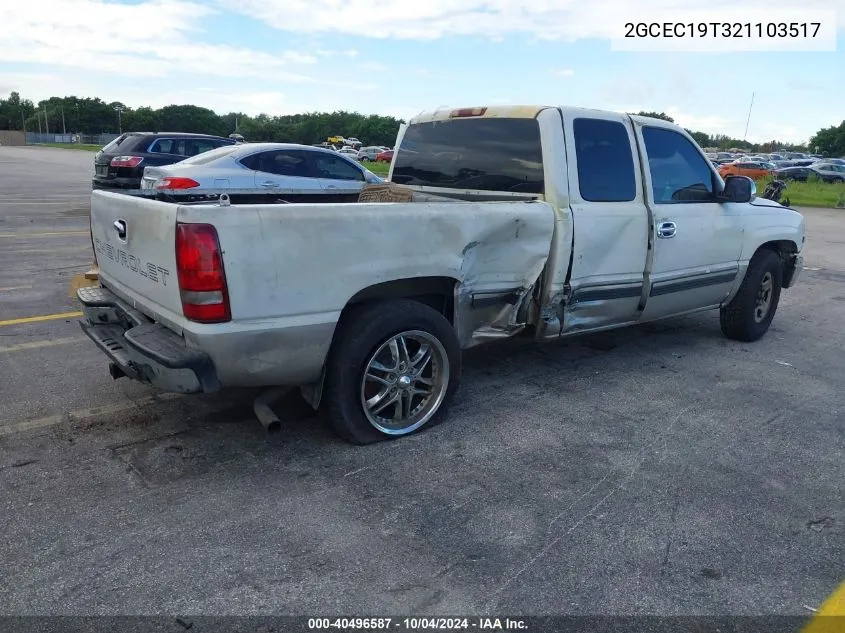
{"x": 124, "y": 141}
{"x": 483, "y": 154}
{"x": 214, "y": 154}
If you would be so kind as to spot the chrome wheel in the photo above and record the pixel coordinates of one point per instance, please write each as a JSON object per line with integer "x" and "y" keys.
{"x": 764, "y": 298}
{"x": 405, "y": 382}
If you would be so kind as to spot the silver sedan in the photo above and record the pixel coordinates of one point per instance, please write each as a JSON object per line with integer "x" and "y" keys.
{"x": 264, "y": 169}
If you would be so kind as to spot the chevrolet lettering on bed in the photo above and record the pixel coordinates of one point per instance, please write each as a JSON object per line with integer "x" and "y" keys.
{"x": 151, "y": 271}
{"x": 541, "y": 222}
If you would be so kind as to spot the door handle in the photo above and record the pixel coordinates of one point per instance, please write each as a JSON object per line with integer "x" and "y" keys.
{"x": 666, "y": 229}
{"x": 269, "y": 183}
{"x": 331, "y": 186}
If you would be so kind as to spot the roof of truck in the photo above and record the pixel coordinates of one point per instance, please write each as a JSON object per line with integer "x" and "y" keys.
{"x": 490, "y": 112}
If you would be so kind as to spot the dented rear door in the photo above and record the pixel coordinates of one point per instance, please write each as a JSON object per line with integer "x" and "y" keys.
{"x": 135, "y": 244}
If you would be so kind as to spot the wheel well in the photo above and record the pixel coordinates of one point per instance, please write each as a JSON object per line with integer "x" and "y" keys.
{"x": 781, "y": 247}
{"x": 435, "y": 292}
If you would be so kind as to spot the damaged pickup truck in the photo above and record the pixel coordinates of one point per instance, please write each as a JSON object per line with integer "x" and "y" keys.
{"x": 543, "y": 222}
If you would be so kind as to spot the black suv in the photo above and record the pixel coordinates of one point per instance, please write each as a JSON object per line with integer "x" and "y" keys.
{"x": 120, "y": 164}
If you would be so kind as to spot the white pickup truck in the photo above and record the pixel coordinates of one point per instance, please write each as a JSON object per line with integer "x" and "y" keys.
{"x": 545, "y": 222}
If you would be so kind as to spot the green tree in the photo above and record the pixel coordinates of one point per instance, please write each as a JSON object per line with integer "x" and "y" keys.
{"x": 829, "y": 141}
{"x": 93, "y": 116}
{"x": 702, "y": 138}
{"x": 657, "y": 115}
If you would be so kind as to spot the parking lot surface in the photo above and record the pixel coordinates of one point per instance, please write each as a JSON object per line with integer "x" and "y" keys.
{"x": 655, "y": 470}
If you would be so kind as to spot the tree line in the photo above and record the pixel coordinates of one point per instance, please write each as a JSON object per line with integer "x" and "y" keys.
{"x": 86, "y": 115}
{"x": 93, "y": 116}
{"x": 724, "y": 142}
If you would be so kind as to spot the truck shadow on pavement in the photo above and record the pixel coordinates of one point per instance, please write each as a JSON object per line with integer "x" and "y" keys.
{"x": 194, "y": 435}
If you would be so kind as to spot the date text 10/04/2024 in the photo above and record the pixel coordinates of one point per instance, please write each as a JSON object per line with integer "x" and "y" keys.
{"x": 417, "y": 624}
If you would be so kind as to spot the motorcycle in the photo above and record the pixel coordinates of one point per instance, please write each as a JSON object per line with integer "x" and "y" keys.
{"x": 774, "y": 191}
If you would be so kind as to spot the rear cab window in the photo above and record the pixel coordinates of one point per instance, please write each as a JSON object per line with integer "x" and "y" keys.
{"x": 605, "y": 160}
{"x": 495, "y": 154}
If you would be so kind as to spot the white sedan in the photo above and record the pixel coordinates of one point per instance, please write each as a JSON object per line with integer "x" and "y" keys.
{"x": 285, "y": 170}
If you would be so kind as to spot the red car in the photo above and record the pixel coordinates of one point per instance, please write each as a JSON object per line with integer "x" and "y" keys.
{"x": 386, "y": 156}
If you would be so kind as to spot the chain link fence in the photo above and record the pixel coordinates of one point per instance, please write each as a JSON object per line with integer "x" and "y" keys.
{"x": 35, "y": 138}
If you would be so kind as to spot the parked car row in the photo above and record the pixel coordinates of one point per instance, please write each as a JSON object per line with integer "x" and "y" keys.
{"x": 194, "y": 167}
{"x": 121, "y": 163}
{"x": 827, "y": 169}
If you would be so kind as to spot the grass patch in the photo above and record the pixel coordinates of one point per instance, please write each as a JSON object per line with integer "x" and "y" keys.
{"x": 809, "y": 194}
{"x": 380, "y": 169}
{"x": 87, "y": 148}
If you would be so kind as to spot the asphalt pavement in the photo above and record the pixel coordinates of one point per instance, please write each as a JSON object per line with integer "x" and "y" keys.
{"x": 655, "y": 470}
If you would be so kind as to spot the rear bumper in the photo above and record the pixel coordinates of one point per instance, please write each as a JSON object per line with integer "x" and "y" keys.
{"x": 141, "y": 349}
{"x": 116, "y": 183}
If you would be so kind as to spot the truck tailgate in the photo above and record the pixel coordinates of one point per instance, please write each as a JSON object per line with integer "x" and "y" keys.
{"x": 135, "y": 242}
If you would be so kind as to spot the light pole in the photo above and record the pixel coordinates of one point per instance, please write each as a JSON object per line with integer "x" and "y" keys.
{"x": 119, "y": 109}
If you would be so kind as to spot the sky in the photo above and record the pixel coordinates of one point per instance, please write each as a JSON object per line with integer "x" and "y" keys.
{"x": 401, "y": 57}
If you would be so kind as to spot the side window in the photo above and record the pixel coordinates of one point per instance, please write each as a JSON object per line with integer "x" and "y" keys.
{"x": 605, "y": 161}
{"x": 162, "y": 146}
{"x": 280, "y": 163}
{"x": 679, "y": 173}
{"x": 334, "y": 167}
{"x": 198, "y": 146}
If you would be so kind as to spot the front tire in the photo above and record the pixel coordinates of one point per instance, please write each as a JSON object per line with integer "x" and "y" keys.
{"x": 749, "y": 314}
{"x": 392, "y": 371}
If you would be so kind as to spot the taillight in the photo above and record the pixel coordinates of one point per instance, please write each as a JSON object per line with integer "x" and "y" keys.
{"x": 91, "y": 233}
{"x": 126, "y": 161}
{"x": 199, "y": 267}
{"x": 462, "y": 112}
{"x": 176, "y": 183}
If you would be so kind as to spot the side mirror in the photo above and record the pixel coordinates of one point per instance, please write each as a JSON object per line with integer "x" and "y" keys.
{"x": 738, "y": 189}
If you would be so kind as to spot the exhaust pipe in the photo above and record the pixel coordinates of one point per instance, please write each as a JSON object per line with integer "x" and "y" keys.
{"x": 116, "y": 372}
{"x": 263, "y": 411}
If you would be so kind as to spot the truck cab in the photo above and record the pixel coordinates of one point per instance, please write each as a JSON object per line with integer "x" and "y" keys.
{"x": 645, "y": 227}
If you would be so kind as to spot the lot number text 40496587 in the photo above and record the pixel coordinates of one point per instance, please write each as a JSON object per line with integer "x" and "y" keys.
{"x": 417, "y": 624}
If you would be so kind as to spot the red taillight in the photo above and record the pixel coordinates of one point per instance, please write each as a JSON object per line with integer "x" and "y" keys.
{"x": 199, "y": 267}
{"x": 176, "y": 183}
{"x": 462, "y": 112}
{"x": 126, "y": 161}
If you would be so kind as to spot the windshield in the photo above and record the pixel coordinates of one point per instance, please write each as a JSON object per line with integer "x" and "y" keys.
{"x": 495, "y": 154}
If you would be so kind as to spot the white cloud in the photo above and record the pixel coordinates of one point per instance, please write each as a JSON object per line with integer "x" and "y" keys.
{"x": 157, "y": 38}
{"x": 376, "y": 67}
{"x": 330, "y": 53}
{"x": 563, "y": 72}
{"x": 567, "y": 20}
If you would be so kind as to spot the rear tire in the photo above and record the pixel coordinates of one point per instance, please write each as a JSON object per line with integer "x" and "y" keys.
{"x": 749, "y": 314}
{"x": 392, "y": 371}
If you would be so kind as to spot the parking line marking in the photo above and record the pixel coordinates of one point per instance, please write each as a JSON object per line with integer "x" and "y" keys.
{"x": 30, "y": 203}
{"x": 50, "y": 234}
{"x": 831, "y": 615}
{"x": 9, "y": 288}
{"x": 37, "y": 319}
{"x": 83, "y": 414}
{"x": 39, "y": 344}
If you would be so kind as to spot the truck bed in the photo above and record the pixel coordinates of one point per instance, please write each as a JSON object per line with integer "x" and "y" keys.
{"x": 292, "y": 268}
